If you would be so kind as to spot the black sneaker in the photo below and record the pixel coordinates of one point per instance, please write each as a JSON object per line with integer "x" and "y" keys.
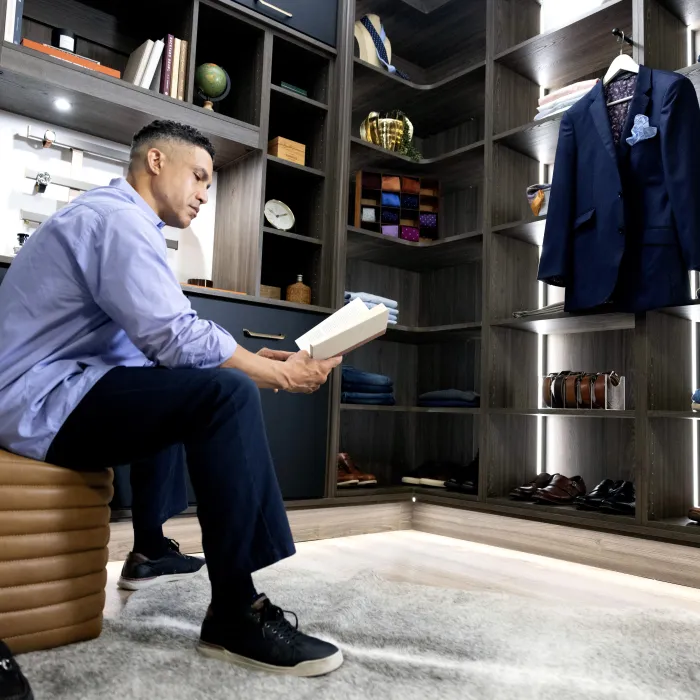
{"x": 265, "y": 640}
{"x": 140, "y": 572}
{"x": 13, "y": 684}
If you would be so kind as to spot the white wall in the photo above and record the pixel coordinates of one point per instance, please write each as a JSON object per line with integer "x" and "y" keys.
{"x": 196, "y": 243}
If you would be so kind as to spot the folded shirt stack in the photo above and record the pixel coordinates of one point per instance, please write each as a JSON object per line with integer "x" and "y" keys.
{"x": 562, "y": 99}
{"x": 366, "y": 388}
{"x": 372, "y": 300}
{"x": 453, "y": 398}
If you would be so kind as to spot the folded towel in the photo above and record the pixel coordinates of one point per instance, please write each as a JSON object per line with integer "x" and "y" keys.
{"x": 368, "y": 399}
{"x": 372, "y": 299}
{"x": 352, "y": 374}
{"x": 449, "y": 395}
{"x": 586, "y": 85}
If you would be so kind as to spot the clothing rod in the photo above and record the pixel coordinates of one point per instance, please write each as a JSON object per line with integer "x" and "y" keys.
{"x": 621, "y": 35}
{"x": 93, "y": 149}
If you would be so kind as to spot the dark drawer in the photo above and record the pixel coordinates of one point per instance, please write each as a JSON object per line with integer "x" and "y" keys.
{"x": 317, "y": 18}
{"x": 297, "y": 425}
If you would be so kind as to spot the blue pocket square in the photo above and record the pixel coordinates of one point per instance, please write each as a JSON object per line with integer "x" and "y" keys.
{"x": 641, "y": 130}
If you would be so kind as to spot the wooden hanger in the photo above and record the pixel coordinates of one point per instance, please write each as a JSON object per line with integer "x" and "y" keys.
{"x": 622, "y": 64}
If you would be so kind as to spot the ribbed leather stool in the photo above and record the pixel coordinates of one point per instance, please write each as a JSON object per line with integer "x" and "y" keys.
{"x": 54, "y": 531}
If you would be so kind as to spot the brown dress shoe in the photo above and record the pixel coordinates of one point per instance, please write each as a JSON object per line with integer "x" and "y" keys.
{"x": 694, "y": 514}
{"x": 345, "y": 477}
{"x": 561, "y": 490}
{"x": 345, "y": 462}
{"x": 526, "y": 492}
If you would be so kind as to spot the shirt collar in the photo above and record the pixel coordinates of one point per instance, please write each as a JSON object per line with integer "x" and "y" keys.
{"x": 121, "y": 184}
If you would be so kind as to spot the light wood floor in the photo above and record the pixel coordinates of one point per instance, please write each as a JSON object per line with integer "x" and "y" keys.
{"x": 433, "y": 560}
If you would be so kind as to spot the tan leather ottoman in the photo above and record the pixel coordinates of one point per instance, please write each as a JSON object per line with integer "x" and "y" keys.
{"x": 54, "y": 531}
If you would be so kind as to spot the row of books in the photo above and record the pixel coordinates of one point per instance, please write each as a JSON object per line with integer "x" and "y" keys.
{"x": 160, "y": 65}
{"x": 13, "y": 21}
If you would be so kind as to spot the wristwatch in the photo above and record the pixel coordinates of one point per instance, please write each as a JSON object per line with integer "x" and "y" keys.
{"x": 49, "y": 138}
{"x": 42, "y": 180}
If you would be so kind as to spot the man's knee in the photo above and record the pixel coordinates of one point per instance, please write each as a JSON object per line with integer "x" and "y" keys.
{"x": 238, "y": 386}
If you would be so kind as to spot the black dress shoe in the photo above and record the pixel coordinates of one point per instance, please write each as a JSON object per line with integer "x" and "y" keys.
{"x": 466, "y": 478}
{"x": 621, "y": 501}
{"x": 594, "y": 499}
{"x": 13, "y": 684}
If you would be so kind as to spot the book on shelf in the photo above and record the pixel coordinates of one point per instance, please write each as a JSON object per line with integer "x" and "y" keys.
{"x": 154, "y": 60}
{"x": 182, "y": 72}
{"x": 167, "y": 72}
{"x": 176, "y": 68}
{"x": 345, "y": 330}
{"x": 136, "y": 66}
{"x": 70, "y": 58}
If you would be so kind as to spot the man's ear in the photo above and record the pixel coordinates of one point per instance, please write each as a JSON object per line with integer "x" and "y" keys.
{"x": 155, "y": 159}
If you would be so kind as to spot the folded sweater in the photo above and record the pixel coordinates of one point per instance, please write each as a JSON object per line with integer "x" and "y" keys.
{"x": 372, "y": 298}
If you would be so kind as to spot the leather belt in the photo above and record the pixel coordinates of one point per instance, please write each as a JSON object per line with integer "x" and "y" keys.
{"x": 570, "y": 389}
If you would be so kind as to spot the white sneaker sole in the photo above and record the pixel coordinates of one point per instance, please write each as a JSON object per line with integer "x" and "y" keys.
{"x": 432, "y": 482}
{"x": 410, "y": 480}
{"x": 138, "y": 584}
{"x": 370, "y": 482}
{"x": 695, "y": 406}
{"x": 352, "y": 482}
{"x": 306, "y": 669}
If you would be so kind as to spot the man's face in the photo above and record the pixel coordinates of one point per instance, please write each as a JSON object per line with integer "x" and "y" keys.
{"x": 184, "y": 176}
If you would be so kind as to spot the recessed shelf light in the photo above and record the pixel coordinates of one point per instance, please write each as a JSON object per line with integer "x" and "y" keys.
{"x": 62, "y": 104}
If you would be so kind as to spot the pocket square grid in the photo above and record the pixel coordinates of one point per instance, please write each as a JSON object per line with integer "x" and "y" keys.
{"x": 641, "y": 131}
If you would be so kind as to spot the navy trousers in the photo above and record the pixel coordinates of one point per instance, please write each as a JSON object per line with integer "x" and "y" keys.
{"x": 144, "y": 416}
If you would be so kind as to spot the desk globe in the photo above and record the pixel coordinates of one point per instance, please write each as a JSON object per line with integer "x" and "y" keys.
{"x": 212, "y": 84}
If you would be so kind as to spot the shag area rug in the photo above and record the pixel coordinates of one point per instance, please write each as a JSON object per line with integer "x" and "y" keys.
{"x": 399, "y": 640}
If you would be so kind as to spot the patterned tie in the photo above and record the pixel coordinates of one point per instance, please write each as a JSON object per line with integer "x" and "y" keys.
{"x": 378, "y": 40}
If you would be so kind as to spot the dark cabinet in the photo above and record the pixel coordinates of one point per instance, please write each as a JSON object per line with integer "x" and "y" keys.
{"x": 316, "y": 18}
{"x": 297, "y": 425}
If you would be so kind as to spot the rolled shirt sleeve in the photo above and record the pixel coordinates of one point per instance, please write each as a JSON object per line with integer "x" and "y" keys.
{"x": 129, "y": 277}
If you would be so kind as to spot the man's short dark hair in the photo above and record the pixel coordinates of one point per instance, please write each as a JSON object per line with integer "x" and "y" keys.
{"x": 165, "y": 130}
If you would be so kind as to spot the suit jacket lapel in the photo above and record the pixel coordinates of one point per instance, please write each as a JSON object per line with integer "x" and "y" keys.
{"x": 599, "y": 114}
{"x": 639, "y": 104}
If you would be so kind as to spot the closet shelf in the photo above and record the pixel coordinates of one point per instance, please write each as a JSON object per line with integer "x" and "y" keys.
{"x": 282, "y": 165}
{"x": 531, "y": 508}
{"x": 107, "y": 107}
{"x": 538, "y": 140}
{"x": 368, "y": 491}
{"x": 553, "y": 324}
{"x": 562, "y": 55}
{"x": 463, "y": 165}
{"x": 432, "y": 108}
{"x": 528, "y": 230}
{"x": 565, "y": 412}
{"x": 417, "y": 335}
{"x": 409, "y": 409}
{"x": 691, "y": 311}
{"x": 682, "y": 415}
{"x": 294, "y": 99}
{"x": 418, "y": 257}
{"x": 292, "y": 236}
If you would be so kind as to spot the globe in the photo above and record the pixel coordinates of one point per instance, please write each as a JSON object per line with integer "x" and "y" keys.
{"x": 211, "y": 80}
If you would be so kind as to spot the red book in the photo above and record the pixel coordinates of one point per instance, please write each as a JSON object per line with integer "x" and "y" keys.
{"x": 70, "y": 57}
{"x": 167, "y": 74}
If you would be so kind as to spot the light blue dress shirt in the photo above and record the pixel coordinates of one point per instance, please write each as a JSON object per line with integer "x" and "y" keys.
{"x": 91, "y": 290}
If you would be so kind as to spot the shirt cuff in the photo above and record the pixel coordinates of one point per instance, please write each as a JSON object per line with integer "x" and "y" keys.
{"x": 221, "y": 349}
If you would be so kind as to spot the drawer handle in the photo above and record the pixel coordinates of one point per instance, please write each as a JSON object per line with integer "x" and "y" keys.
{"x": 263, "y": 336}
{"x": 274, "y": 7}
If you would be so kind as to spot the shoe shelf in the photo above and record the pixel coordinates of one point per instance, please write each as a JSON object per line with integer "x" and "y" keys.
{"x": 528, "y": 230}
{"x": 565, "y": 413}
{"x": 536, "y": 140}
{"x": 565, "y": 323}
{"x": 560, "y": 56}
{"x": 411, "y": 409}
{"x": 417, "y": 257}
{"x": 538, "y": 509}
{"x": 288, "y": 99}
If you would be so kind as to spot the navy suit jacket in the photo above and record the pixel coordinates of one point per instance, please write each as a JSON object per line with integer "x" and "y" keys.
{"x": 623, "y": 222}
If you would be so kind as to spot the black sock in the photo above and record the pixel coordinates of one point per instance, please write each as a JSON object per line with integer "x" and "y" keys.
{"x": 150, "y": 542}
{"x": 234, "y": 596}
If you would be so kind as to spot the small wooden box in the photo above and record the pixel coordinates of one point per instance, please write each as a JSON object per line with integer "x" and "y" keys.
{"x": 270, "y": 292}
{"x": 287, "y": 150}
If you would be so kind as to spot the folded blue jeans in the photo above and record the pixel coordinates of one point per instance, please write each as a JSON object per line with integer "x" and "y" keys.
{"x": 449, "y": 395}
{"x": 358, "y": 397}
{"x": 357, "y": 387}
{"x": 356, "y": 376}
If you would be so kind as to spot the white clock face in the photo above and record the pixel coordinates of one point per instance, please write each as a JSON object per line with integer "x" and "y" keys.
{"x": 279, "y": 215}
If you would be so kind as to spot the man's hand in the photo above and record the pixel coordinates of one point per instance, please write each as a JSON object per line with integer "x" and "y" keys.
{"x": 304, "y": 375}
{"x": 278, "y": 355}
